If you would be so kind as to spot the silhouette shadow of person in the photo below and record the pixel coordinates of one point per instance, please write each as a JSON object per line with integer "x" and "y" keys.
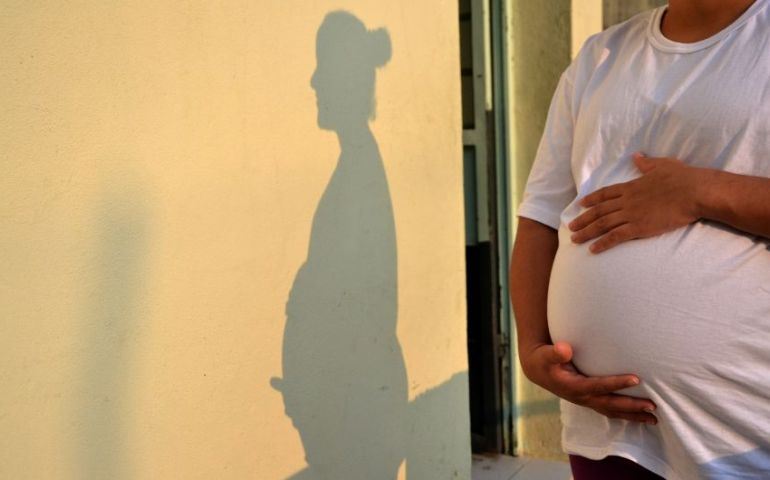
{"x": 344, "y": 379}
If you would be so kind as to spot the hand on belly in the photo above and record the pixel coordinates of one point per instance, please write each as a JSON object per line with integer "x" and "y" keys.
{"x": 551, "y": 367}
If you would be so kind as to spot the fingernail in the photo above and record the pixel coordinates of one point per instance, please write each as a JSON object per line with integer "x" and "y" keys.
{"x": 649, "y": 409}
{"x": 633, "y": 381}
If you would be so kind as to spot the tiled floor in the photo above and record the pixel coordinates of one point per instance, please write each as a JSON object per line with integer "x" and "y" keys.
{"x": 502, "y": 467}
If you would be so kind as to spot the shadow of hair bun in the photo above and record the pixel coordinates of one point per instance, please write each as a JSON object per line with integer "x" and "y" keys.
{"x": 379, "y": 46}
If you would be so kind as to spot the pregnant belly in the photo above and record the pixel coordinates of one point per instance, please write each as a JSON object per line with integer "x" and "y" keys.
{"x": 680, "y": 308}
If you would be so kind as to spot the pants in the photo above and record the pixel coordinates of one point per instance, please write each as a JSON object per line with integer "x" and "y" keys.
{"x": 611, "y": 467}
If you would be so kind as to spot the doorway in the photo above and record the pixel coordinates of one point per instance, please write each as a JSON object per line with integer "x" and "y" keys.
{"x": 487, "y": 244}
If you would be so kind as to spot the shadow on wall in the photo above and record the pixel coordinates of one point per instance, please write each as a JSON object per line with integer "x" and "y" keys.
{"x": 344, "y": 379}
{"x": 113, "y": 324}
{"x": 344, "y": 383}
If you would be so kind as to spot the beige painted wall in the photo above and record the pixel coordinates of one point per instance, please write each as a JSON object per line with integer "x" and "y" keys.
{"x": 170, "y": 192}
{"x": 587, "y": 17}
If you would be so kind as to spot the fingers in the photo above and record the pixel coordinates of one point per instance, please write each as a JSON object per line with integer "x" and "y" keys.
{"x": 621, "y": 403}
{"x": 615, "y": 236}
{"x": 602, "y": 195}
{"x": 558, "y": 353}
{"x": 602, "y": 385}
{"x": 594, "y": 214}
{"x": 643, "y": 163}
{"x": 613, "y": 405}
{"x": 598, "y": 228}
{"x": 624, "y": 407}
{"x": 562, "y": 352}
{"x": 632, "y": 417}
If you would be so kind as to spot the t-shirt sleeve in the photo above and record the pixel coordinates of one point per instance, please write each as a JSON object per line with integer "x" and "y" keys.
{"x": 551, "y": 186}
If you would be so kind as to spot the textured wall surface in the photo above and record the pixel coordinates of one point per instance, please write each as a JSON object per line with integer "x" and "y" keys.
{"x": 232, "y": 239}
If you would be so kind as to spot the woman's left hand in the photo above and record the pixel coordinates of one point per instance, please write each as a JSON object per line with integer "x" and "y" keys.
{"x": 661, "y": 200}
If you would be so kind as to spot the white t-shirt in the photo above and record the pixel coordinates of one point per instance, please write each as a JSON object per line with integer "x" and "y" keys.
{"x": 687, "y": 311}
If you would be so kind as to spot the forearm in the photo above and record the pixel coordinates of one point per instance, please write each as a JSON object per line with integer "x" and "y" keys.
{"x": 531, "y": 262}
{"x": 740, "y": 201}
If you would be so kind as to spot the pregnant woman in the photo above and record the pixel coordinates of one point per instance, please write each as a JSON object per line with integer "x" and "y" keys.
{"x": 640, "y": 276}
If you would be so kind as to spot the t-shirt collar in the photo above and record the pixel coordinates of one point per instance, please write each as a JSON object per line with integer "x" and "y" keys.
{"x": 659, "y": 41}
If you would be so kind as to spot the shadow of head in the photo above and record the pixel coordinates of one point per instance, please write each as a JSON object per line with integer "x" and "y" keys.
{"x": 347, "y": 56}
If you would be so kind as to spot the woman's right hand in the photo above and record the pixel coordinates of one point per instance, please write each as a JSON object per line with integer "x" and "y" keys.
{"x": 551, "y": 367}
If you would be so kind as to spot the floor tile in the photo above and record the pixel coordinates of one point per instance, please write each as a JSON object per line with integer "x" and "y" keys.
{"x": 503, "y": 467}
{"x": 544, "y": 470}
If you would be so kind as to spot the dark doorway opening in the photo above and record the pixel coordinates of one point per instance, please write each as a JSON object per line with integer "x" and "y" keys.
{"x": 486, "y": 243}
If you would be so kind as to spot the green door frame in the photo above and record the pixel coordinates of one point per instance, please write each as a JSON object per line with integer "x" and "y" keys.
{"x": 487, "y": 178}
{"x": 499, "y": 53}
